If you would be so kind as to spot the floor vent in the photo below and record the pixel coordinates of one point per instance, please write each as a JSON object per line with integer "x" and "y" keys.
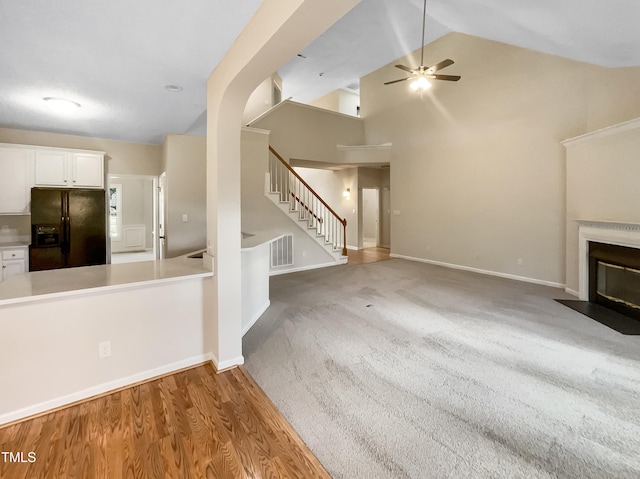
{"x": 282, "y": 251}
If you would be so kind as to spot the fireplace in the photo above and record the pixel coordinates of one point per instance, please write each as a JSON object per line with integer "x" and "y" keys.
{"x": 614, "y": 277}
{"x": 609, "y": 274}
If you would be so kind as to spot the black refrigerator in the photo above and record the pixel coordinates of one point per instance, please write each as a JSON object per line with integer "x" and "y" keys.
{"x": 68, "y": 228}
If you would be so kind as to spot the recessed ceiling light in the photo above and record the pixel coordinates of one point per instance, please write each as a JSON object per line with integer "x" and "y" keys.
{"x": 61, "y": 105}
{"x": 173, "y": 88}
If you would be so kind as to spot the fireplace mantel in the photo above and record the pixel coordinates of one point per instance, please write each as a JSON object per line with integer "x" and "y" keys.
{"x": 610, "y": 232}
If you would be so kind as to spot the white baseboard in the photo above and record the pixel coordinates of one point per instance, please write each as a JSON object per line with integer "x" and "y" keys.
{"x": 481, "y": 271}
{"x": 572, "y": 292}
{"x": 256, "y": 316}
{"x": 304, "y": 268}
{"x": 102, "y": 388}
{"x": 354, "y": 248}
{"x": 229, "y": 363}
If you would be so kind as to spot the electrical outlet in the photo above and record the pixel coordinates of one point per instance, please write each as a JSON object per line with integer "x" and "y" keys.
{"x": 428, "y": 248}
{"x": 519, "y": 261}
{"x": 304, "y": 254}
{"x": 104, "y": 349}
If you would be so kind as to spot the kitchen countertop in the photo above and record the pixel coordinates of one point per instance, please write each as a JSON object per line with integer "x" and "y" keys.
{"x": 253, "y": 240}
{"x": 14, "y": 244}
{"x": 43, "y": 285}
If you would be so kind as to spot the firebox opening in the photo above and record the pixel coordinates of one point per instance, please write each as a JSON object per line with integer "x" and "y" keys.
{"x": 614, "y": 278}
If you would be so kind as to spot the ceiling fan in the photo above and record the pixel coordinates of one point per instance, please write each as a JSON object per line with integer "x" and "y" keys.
{"x": 422, "y": 74}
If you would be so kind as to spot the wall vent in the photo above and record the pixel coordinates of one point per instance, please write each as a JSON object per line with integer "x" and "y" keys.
{"x": 282, "y": 251}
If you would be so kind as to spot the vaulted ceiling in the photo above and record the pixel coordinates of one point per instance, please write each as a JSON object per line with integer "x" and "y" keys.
{"x": 116, "y": 58}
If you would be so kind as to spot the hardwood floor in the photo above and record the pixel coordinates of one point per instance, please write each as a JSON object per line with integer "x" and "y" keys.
{"x": 368, "y": 255}
{"x": 193, "y": 424}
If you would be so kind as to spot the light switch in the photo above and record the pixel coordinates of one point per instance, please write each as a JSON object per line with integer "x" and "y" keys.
{"x": 396, "y": 212}
{"x": 185, "y": 218}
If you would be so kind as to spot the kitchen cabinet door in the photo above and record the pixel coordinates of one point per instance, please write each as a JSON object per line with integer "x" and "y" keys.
{"x": 88, "y": 170}
{"x": 11, "y": 268}
{"x": 15, "y": 180}
{"x": 51, "y": 168}
{"x": 69, "y": 169}
{"x": 13, "y": 261}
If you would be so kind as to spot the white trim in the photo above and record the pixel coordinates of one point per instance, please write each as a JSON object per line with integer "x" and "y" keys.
{"x": 604, "y": 132}
{"x": 383, "y": 146}
{"x": 303, "y": 105}
{"x": 482, "y": 271}
{"x": 252, "y": 129}
{"x": 354, "y": 248}
{"x": 56, "y": 148}
{"x": 229, "y": 363}
{"x": 572, "y": 292}
{"x": 103, "y": 388}
{"x": 610, "y": 232}
{"x": 310, "y": 267}
{"x": 256, "y": 317}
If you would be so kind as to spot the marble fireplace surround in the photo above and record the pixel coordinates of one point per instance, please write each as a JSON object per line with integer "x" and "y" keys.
{"x": 610, "y": 232}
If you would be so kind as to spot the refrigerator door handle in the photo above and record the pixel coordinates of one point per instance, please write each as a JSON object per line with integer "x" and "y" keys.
{"x": 67, "y": 235}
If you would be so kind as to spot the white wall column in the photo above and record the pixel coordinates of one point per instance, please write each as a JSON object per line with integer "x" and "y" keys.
{"x": 278, "y": 30}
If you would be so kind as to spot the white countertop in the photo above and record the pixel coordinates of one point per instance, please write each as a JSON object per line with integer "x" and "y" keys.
{"x": 259, "y": 238}
{"x": 41, "y": 285}
{"x": 14, "y": 244}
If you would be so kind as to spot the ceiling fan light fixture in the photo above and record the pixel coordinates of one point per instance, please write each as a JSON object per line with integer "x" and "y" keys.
{"x": 420, "y": 84}
{"x": 61, "y": 105}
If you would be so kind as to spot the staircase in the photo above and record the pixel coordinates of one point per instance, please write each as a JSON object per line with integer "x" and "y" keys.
{"x": 305, "y": 207}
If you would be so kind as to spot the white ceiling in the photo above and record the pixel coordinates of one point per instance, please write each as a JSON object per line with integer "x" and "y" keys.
{"x": 116, "y": 57}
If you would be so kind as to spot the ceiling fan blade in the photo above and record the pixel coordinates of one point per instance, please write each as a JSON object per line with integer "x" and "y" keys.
{"x": 440, "y": 66}
{"x": 407, "y": 69}
{"x": 397, "y": 81}
{"x": 445, "y": 77}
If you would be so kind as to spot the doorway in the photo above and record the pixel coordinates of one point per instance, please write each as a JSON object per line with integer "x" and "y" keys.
{"x": 161, "y": 217}
{"x": 370, "y": 218}
{"x": 133, "y": 222}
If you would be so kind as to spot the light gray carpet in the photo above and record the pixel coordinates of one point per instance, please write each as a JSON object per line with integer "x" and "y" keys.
{"x": 399, "y": 369}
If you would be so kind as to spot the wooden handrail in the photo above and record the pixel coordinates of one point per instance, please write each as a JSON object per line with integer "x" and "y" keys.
{"x": 282, "y": 160}
{"x": 343, "y": 221}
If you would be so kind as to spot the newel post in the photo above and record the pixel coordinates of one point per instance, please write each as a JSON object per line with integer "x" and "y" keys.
{"x": 344, "y": 244}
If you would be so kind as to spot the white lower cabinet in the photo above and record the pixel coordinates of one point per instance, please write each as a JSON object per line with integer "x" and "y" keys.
{"x": 14, "y": 260}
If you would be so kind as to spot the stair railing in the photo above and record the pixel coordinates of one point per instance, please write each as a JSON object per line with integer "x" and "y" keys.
{"x": 310, "y": 206}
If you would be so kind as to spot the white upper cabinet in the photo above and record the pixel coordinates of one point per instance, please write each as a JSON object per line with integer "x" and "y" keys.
{"x": 51, "y": 168}
{"x": 16, "y": 166}
{"x": 69, "y": 169}
{"x": 87, "y": 170}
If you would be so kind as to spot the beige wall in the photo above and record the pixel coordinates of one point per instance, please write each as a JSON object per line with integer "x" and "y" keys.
{"x": 603, "y": 174}
{"x": 261, "y": 214}
{"x": 340, "y": 101}
{"x": 261, "y": 99}
{"x": 478, "y": 173}
{"x": 121, "y": 157}
{"x": 184, "y": 159}
{"x": 308, "y": 133}
{"x": 330, "y": 185}
{"x": 330, "y": 101}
